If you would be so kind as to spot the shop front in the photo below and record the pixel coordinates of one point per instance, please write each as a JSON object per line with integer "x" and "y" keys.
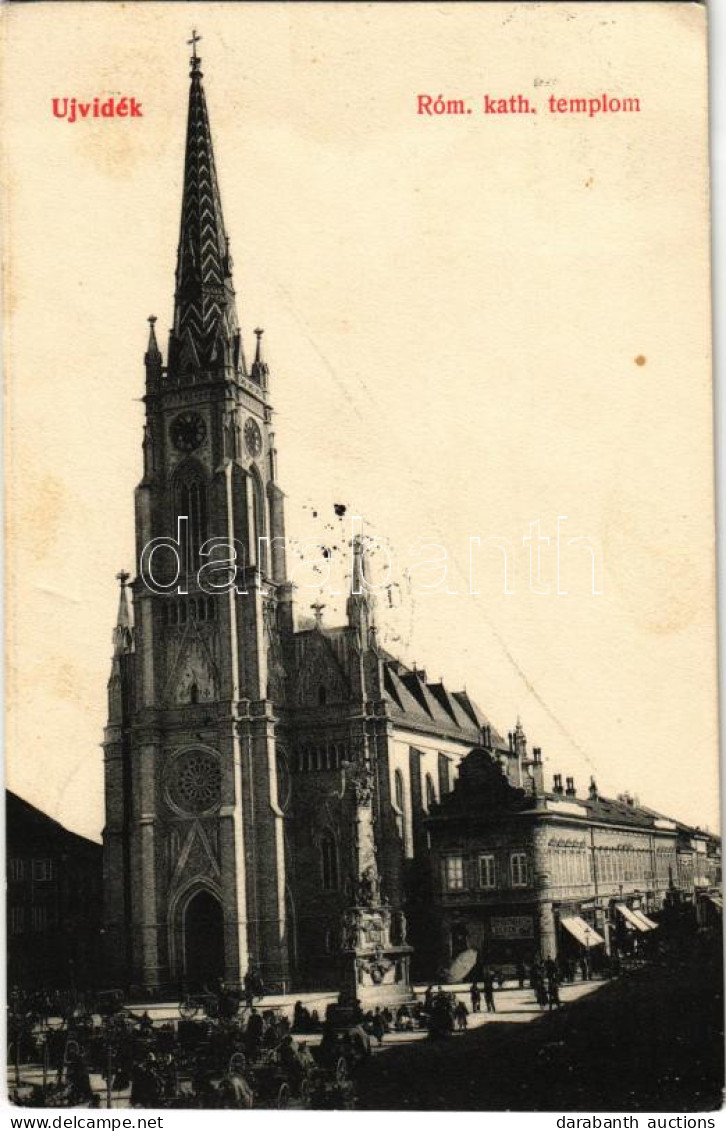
{"x": 509, "y": 938}
{"x": 578, "y": 939}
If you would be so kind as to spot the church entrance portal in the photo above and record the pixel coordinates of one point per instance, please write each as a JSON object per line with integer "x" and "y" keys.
{"x": 203, "y": 940}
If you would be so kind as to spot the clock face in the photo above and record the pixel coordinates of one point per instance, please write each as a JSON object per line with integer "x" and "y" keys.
{"x": 188, "y": 431}
{"x": 253, "y": 437}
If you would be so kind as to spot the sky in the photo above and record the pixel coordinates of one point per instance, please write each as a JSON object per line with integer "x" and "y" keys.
{"x": 473, "y": 324}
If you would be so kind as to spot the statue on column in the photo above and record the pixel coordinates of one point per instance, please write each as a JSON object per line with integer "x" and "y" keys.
{"x": 373, "y": 968}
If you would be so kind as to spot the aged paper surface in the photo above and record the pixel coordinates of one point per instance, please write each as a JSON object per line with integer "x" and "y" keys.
{"x": 477, "y": 239}
{"x": 454, "y": 308}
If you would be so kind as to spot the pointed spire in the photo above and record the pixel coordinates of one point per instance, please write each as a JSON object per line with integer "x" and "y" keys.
{"x": 260, "y": 370}
{"x": 123, "y": 632}
{"x": 205, "y": 317}
{"x": 360, "y": 603}
{"x": 153, "y": 359}
{"x": 152, "y": 350}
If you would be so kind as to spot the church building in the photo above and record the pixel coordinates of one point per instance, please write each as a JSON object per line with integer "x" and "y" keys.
{"x": 266, "y": 788}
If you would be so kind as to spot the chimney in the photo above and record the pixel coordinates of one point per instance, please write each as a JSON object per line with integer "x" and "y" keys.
{"x": 557, "y": 787}
{"x": 537, "y": 770}
{"x": 570, "y": 791}
{"x": 594, "y": 795}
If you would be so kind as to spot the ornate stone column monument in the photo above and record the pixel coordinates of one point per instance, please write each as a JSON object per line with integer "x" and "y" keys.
{"x": 375, "y": 957}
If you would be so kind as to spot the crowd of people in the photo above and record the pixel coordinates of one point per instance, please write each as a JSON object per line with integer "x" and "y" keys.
{"x": 249, "y": 1058}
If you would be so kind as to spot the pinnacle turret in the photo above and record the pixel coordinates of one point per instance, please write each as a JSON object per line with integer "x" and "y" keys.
{"x": 260, "y": 370}
{"x": 153, "y": 359}
{"x": 361, "y": 603}
{"x": 123, "y": 633}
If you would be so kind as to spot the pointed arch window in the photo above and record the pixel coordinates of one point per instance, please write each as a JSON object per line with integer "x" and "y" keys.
{"x": 329, "y": 861}
{"x": 259, "y": 548}
{"x": 400, "y": 800}
{"x": 192, "y": 505}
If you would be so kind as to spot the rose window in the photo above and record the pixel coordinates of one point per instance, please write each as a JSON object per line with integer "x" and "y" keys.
{"x": 196, "y": 781}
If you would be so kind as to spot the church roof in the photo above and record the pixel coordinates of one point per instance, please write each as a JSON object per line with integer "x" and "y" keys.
{"x": 205, "y": 333}
{"x": 417, "y": 704}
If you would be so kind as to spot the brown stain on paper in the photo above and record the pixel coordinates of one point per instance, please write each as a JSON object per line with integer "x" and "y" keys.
{"x": 38, "y": 520}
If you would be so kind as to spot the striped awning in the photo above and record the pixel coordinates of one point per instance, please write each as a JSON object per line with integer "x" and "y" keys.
{"x": 631, "y": 918}
{"x": 648, "y": 923}
{"x": 581, "y": 931}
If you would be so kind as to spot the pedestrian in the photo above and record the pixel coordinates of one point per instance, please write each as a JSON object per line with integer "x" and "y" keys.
{"x": 254, "y": 1034}
{"x": 475, "y": 994}
{"x": 461, "y": 1014}
{"x": 553, "y": 989}
{"x": 488, "y": 983}
{"x": 521, "y": 973}
{"x": 377, "y": 1025}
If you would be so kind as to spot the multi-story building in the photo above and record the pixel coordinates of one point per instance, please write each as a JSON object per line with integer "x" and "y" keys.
{"x": 518, "y": 870}
{"x": 54, "y": 901}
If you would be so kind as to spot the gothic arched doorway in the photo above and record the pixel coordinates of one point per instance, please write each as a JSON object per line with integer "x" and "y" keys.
{"x": 203, "y": 940}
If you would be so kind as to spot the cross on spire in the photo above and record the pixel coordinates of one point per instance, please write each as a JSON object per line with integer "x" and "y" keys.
{"x": 193, "y": 42}
{"x": 318, "y": 613}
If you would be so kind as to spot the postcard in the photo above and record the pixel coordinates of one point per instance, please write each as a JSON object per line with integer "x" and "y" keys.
{"x": 361, "y": 700}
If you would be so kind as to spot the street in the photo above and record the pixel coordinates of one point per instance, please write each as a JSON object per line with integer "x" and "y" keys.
{"x": 649, "y": 1041}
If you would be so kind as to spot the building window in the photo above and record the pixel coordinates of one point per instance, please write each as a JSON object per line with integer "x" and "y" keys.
{"x": 430, "y": 792}
{"x": 16, "y": 919}
{"x": 487, "y": 872}
{"x": 258, "y": 517}
{"x": 39, "y": 918}
{"x": 444, "y": 775}
{"x": 42, "y": 870}
{"x": 454, "y": 873}
{"x": 192, "y": 506}
{"x": 329, "y": 861}
{"x": 519, "y": 869}
{"x": 400, "y": 804}
{"x": 16, "y": 869}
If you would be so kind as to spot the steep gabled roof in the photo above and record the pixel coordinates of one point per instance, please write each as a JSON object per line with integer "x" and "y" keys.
{"x": 414, "y": 702}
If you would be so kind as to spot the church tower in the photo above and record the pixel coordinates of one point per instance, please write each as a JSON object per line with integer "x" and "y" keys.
{"x": 194, "y": 844}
